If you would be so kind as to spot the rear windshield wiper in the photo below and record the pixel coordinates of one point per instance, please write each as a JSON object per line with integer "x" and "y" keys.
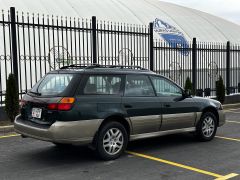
{"x": 36, "y": 93}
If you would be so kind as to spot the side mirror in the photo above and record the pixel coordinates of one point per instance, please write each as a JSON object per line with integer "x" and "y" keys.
{"x": 187, "y": 93}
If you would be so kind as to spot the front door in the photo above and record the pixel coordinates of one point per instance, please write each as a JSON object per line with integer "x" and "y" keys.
{"x": 141, "y": 104}
{"x": 177, "y": 112}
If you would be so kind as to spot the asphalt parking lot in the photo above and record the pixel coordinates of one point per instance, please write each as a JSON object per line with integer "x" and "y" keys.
{"x": 169, "y": 157}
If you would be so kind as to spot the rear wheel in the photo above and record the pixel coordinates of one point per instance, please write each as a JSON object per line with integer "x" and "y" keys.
{"x": 207, "y": 127}
{"x": 111, "y": 141}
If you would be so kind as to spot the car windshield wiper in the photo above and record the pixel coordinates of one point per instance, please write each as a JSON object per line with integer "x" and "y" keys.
{"x": 36, "y": 93}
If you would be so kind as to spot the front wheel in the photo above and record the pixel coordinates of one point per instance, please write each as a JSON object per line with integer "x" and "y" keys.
{"x": 111, "y": 141}
{"x": 207, "y": 127}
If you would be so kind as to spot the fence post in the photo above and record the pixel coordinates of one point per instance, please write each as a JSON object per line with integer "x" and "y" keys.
{"x": 194, "y": 64}
{"x": 14, "y": 44}
{"x": 228, "y": 68}
{"x": 151, "y": 46}
{"x": 94, "y": 40}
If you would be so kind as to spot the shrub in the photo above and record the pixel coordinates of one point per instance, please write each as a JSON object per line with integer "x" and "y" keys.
{"x": 188, "y": 85}
{"x": 220, "y": 90}
{"x": 11, "y": 98}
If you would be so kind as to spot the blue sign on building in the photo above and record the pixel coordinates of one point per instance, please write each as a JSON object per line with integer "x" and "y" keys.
{"x": 171, "y": 35}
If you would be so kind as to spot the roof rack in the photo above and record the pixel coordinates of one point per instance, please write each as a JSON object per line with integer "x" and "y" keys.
{"x": 91, "y": 66}
{"x": 79, "y": 66}
{"x": 128, "y": 67}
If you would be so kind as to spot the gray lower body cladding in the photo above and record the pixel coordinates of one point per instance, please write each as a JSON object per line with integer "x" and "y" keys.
{"x": 82, "y": 132}
{"x": 70, "y": 132}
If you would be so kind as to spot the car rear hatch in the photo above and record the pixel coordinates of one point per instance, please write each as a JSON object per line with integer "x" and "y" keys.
{"x": 35, "y": 109}
{"x": 43, "y": 103}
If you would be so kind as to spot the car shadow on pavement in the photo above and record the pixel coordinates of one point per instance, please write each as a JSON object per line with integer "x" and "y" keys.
{"x": 163, "y": 142}
{"x": 53, "y": 155}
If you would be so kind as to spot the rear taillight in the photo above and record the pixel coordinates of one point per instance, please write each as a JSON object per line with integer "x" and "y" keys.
{"x": 64, "y": 107}
{"x": 53, "y": 106}
{"x": 65, "y": 104}
{"x": 67, "y": 100}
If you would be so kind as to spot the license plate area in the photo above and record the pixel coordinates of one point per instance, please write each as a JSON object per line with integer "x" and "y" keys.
{"x": 36, "y": 113}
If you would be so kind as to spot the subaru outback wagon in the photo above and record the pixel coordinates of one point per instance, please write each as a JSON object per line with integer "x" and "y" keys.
{"x": 105, "y": 107}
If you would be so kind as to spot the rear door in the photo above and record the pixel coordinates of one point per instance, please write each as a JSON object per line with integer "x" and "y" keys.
{"x": 141, "y": 104}
{"x": 177, "y": 112}
{"x": 99, "y": 96}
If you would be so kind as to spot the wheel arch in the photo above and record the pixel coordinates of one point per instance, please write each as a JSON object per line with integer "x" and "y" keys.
{"x": 118, "y": 118}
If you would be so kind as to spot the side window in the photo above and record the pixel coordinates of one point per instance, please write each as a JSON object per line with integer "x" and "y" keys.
{"x": 165, "y": 87}
{"x": 103, "y": 84}
{"x": 138, "y": 85}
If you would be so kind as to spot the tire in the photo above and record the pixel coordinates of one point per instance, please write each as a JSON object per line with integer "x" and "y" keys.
{"x": 207, "y": 127}
{"x": 111, "y": 141}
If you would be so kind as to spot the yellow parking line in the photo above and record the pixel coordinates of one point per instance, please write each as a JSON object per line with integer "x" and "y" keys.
{"x": 227, "y": 138}
{"x": 238, "y": 122}
{"x": 229, "y": 176}
{"x": 10, "y": 135}
{"x": 184, "y": 166}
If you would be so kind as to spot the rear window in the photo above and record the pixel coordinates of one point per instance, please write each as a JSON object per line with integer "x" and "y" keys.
{"x": 53, "y": 84}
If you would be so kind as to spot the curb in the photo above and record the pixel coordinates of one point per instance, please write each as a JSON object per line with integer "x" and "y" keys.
{"x": 6, "y": 129}
{"x": 230, "y": 106}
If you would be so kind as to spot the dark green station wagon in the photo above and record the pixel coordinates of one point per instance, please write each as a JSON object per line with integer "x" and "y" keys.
{"x": 104, "y": 107}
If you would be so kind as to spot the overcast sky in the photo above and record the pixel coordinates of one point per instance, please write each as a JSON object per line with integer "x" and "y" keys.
{"x": 227, "y": 9}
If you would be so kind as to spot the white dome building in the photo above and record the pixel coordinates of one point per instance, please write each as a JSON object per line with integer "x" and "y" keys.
{"x": 190, "y": 22}
{"x": 40, "y": 50}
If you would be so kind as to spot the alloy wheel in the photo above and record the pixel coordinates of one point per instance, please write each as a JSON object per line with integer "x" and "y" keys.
{"x": 208, "y": 126}
{"x": 113, "y": 141}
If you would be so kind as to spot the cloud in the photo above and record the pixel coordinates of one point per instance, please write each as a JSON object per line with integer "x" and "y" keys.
{"x": 227, "y": 9}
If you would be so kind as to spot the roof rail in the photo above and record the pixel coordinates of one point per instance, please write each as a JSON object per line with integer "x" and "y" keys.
{"x": 129, "y": 67}
{"x": 91, "y": 66}
{"x": 76, "y": 66}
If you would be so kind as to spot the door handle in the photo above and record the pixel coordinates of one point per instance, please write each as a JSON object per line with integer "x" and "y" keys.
{"x": 167, "y": 105}
{"x": 127, "y": 106}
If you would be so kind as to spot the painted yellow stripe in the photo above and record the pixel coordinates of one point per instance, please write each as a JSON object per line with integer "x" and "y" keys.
{"x": 238, "y": 122}
{"x": 10, "y": 135}
{"x": 176, "y": 164}
{"x": 229, "y": 176}
{"x": 227, "y": 138}
{"x": 218, "y": 176}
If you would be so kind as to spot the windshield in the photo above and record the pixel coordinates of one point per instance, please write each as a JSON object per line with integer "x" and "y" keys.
{"x": 52, "y": 84}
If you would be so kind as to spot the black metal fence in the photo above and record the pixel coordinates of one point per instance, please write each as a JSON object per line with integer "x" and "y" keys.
{"x": 32, "y": 45}
{"x": 204, "y": 64}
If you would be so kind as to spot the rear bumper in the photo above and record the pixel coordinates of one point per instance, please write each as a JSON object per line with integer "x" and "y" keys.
{"x": 222, "y": 119}
{"x": 70, "y": 132}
